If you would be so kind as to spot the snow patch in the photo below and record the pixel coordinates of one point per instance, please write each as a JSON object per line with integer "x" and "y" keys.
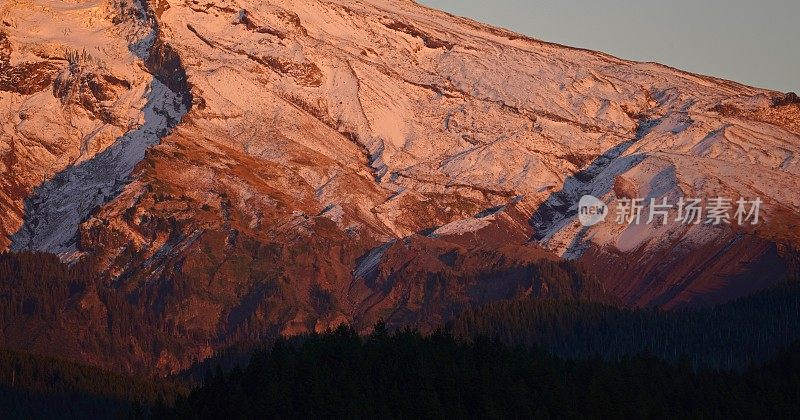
{"x": 55, "y": 210}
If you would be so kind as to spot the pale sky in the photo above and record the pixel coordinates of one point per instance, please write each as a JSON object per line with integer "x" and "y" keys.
{"x": 755, "y": 42}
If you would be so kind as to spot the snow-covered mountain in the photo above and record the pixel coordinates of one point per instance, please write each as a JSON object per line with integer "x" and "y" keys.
{"x": 298, "y": 163}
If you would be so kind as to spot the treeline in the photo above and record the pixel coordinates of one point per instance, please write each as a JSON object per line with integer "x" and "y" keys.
{"x": 63, "y": 310}
{"x": 33, "y": 386}
{"x": 37, "y": 284}
{"x": 340, "y": 374}
{"x": 731, "y": 336}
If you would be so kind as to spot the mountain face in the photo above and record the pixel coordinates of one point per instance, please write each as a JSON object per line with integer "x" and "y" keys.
{"x": 242, "y": 168}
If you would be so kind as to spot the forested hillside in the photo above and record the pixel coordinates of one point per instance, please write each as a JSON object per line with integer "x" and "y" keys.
{"x": 525, "y": 357}
{"x": 732, "y": 336}
{"x": 63, "y": 310}
{"x": 340, "y": 374}
{"x": 52, "y": 308}
{"x": 34, "y": 386}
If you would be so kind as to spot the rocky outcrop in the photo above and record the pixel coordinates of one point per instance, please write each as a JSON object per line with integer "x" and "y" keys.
{"x": 788, "y": 99}
{"x": 24, "y": 78}
{"x": 82, "y": 84}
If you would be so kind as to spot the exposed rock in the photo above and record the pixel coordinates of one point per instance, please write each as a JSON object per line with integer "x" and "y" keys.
{"x": 788, "y": 99}
{"x": 24, "y": 78}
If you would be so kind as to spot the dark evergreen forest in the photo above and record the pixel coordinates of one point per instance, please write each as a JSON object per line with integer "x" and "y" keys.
{"x": 340, "y": 374}
{"x": 732, "y": 336}
{"x": 33, "y": 386}
{"x": 540, "y": 358}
